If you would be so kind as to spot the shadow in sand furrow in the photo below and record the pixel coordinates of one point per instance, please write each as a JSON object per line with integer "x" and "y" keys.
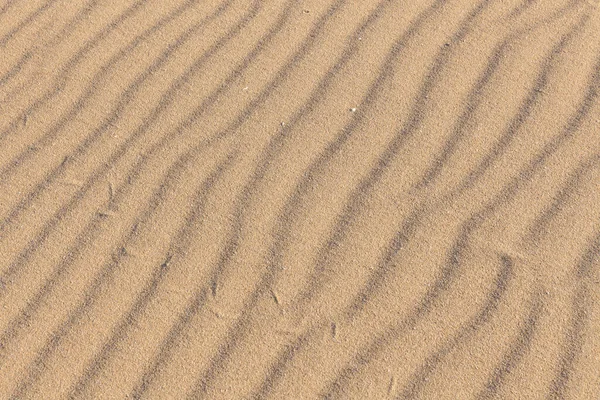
{"x": 95, "y": 220}
{"x": 120, "y": 193}
{"x": 287, "y": 213}
{"x": 573, "y": 340}
{"x": 540, "y": 226}
{"x": 449, "y": 271}
{"x": 177, "y": 248}
{"x": 475, "y": 97}
{"x": 29, "y": 19}
{"x": 275, "y": 145}
{"x": 80, "y": 55}
{"x": 393, "y": 246}
{"x": 508, "y": 137}
{"x": 409, "y": 226}
{"x": 277, "y": 369}
{"x": 357, "y": 200}
{"x": 441, "y": 285}
{"x": 37, "y": 367}
{"x": 292, "y": 64}
{"x": 69, "y": 27}
{"x": 520, "y": 345}
{"x": 167, "y": 194}
{"x": 7, "y": 6}
{"x": 521, "y": 8}
{"x": 95, "y": 83}
{"x": 483, "y": 316}
{"x": 197, "y": 302}
{"x": 102, "y": 277}
{"x": 196, "y": 149}
{"x": 186, "y": 316}
{"x": 225, "y": 352}
{"x": 360, "y": 194}
{"x": 61, "y": 270}
{"x": 67, "y": 69}
{"x": 166, "y": 99}
{"x": 127, "y": 96}
{"x": 138, "y": 167}
{"x": 518, "y": 348}
{"x": 16, "y": 69}
{"x": 535, "y": 231}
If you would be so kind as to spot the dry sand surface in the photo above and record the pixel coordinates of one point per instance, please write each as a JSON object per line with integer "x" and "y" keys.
{"x": 299, "y": 199}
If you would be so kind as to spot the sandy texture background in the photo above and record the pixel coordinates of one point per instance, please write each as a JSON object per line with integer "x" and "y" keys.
{"x": 301, "y": 199}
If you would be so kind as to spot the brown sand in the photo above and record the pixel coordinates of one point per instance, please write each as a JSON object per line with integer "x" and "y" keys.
{"x": 299, "y": 199}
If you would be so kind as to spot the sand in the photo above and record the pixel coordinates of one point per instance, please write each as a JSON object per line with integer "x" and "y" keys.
{"x": 301, "y": 199}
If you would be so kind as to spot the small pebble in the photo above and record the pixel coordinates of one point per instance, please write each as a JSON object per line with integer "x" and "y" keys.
{"x": 353, "y": 109}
